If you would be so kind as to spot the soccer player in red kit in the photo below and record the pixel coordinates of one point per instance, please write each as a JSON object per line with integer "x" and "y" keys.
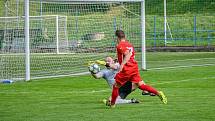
{"x": 128, "y": 70}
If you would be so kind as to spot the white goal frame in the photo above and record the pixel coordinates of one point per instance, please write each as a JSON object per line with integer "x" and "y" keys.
{"x": 54, "y": 17}
{"x": 27, "y": 48}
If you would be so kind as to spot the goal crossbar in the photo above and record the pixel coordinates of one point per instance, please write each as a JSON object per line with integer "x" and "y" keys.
{"x": 91, "y": 1}
{"x": 43, "y": 16}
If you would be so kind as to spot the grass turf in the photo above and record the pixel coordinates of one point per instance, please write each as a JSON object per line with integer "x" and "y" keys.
{"x": 190, "y": 93}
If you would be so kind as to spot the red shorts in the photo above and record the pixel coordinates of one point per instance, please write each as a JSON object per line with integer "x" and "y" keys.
{"x": 129, "y": 73}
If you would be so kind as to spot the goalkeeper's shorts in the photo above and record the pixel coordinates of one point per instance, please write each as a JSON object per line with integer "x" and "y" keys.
{"x": 125, "y": 90}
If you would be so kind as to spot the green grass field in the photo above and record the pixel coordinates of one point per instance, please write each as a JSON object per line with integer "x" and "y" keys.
{"x": 190, "y": 92}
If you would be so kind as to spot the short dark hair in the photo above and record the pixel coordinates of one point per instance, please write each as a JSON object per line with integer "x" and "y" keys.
{"x": 120, "y": 34}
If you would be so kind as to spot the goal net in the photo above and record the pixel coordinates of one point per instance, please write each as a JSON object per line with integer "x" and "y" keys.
{"x": 47, "y": 33}
{"x": 64, "y": 36}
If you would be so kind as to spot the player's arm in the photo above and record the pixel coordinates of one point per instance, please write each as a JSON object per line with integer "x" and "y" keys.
{"x": 109, "y": 65}
{"x": 127, "y": 55}
{"x": 112, "y": 65}
{"x": 97, "y": 75}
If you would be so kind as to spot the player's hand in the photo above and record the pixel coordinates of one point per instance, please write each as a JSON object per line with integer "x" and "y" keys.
{"x": 100, "y": 62}
{"x": 121, "y": 67}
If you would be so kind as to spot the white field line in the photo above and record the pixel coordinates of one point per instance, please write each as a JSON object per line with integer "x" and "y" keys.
{"x": 185, "y": 60}
{"x": 109, "y": 90}
{"x": 185, "y": 80}
{"x": 175, "y": 67}
{"x": 58, "y": 76}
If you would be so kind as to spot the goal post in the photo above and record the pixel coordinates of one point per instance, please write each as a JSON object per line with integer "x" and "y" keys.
{"x": 143, "y": 35}
{"x": 27, "y": 42}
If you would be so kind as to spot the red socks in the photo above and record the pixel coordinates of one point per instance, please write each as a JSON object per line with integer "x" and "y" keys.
{"x": 148, "y": 88}
{"x": 115, "y": 94}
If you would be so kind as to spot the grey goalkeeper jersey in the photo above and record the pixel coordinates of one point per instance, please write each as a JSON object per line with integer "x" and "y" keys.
{"x": 109, "y": 74}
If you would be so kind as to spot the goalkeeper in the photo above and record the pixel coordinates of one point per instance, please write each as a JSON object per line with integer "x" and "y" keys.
{"x": 109, "y": 73}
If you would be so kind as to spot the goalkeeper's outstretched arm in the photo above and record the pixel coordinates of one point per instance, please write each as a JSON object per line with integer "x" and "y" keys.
{"x": 107, "y": 64}
{"x": 97, "y": 75}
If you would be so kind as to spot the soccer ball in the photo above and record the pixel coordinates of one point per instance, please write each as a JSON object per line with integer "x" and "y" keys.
{"x": 94, "y": 68}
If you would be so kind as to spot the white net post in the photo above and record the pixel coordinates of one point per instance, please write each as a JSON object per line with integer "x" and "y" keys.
{"x": 27, "y": 43}
{"x": 165, "y": 24}
{"x": 57, "y": 35}
{"x": 61, "y": 32}
{"x": 143, "y": 36}
{"x": 66, "y": 34}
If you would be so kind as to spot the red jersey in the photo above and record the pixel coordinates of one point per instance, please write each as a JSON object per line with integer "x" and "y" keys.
{"x": 121, "y": 48}
{"x": 130, "y": 71}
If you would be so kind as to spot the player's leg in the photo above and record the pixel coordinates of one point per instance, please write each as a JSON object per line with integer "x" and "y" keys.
{"x": 119, "y": 100}
{"x": 120, "y": 80}
{"x": 124, "y": 91}
{"x": 146, "y": 92}
{"x": 115, "y": 93}
{"x": 134, "y": 86}
{"x": 146, "y": 87}
{"x": 141, "y": 85}
{"x": 150, "y": 89}
{"x": 129, "y": 87}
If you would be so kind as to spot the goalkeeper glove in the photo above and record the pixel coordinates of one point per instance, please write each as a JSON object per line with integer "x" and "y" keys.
{"x": 102, "y": 63}
{"x": 90, "y": 63}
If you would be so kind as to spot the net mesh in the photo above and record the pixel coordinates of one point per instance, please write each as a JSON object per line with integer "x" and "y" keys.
{"x": 84, "y": 32}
